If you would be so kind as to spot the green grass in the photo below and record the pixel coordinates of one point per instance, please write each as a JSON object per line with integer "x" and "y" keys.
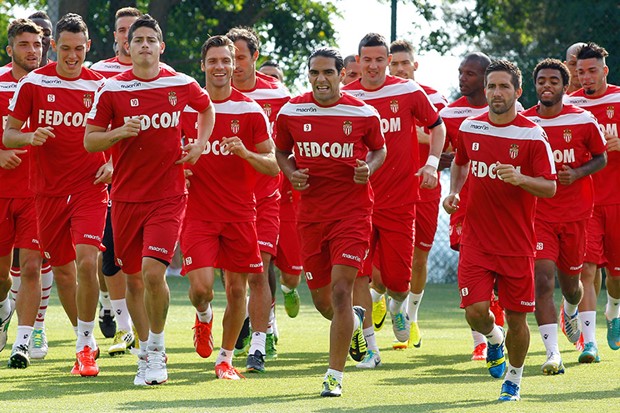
{"x": 438, "y": 377}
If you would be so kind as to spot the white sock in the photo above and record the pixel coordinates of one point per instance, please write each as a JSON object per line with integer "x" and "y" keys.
{"x": 371, "y": 340}
{"x": 376, "y": 295}
{"x": 5, "y": 308}
{"x": 47, "y": 279}
{"x": 335, "y": 374}
{"x": 156, "y": 341}
{"x": 397, "y": 306}
{"x": 285, "y": 289}
{"x": 22, "y": 337}
{"x": 121, "y": 314}
{"x": 612, "y": 310}
{"x": 414, "y": 305}
{"x": 206, "y": 315}
{"x": 85, "y": 335}
{"x": 514, "y": 374}
{"x": 75, "y": 330}
{"x": 143, "y": 345}
{"x": 495, "y": 336}
{"x": 549, "y": 334}
{"x": 224, "y": 355}
{"x": 258, "y": 342}
{"x": 104, "y": 300}
{"x": 17, "y": 281}
{"x": 588, "y": 326}
{"x": 479, "y": 338}
{"x": 570, "y": 309}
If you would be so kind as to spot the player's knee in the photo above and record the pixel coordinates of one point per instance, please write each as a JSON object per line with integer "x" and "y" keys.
{"x": 200, "y": 293}
{"x": 323, "y": 305}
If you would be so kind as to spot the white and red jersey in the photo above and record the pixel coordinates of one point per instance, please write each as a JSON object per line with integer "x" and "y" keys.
{"x": 328, "y": 140}
{"x": 500, "y": 216}
{"x": 574, "y": 137}
{"x": 6, "y": 68}
{"x": 222, "y": 184}
{"x": 439, "y": 102}
{"x": 61, "y": 166}
{"x": 12, "y": 181}
{"x": 400, "y": 103}
{"x": 606, "y": 109}
{"x": 144, "y": 166}
{"x": 111, "y": 67}
{"x": 271, "y": 95}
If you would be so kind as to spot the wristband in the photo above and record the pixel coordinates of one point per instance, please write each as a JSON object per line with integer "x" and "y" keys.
{"x": 432, "y": 161}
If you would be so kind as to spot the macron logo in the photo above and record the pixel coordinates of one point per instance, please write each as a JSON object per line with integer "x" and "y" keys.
{"x": 157, "y": 249}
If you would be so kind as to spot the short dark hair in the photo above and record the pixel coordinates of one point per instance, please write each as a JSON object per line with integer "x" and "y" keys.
{"x": 40, "y": 15}
{"x": 246, "y": 34}
{"x": 554, "y": 64}
{"x": 71, "y": 22}
{"x": 505, "y": 66}
{"x": 126, "y": 12}
{"x": 482, "y": 59}
{"x": 590, "y": 51}
{"x": 329, "y": 52}
{"x": 217, "y": 41}
{"x": 373, "y": 39}
{"x": 19, "y": 26}
{"x": 401, "y": 45}
{"x": 145, "y": 21}
{"x": 349, "y": 59}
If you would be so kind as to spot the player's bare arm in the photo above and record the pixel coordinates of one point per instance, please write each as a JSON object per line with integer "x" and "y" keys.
{"x": 568, "y": 175}
{"x": 193, "y": 150}
{"x": 288, "y": 166}
{"x": 263, "y": 160}
{"x": 98, "y": 138}
{"x": 104, "y": 173}
{"x": 458, "y": 175}
{"x": 14, "y": 137}
{"x": 9, "y": 159}
{"x": 364, "y": 169}
{"x": 537, "y": 186}
{"x": 428, "y": 173}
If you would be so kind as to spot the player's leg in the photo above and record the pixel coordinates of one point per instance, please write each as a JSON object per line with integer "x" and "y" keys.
{"x": 517, "y": 345}
{"x": 38, "y": 346}
{"x": 288, "y": 261}
{"x": 107, "y": 323}
{"x": 419, "y": 274}
{"x": 6, "y": 306}
{"x": 364, "y": 349}
{"x": 612, "y": 281}
{"x": 200, "y": 295}
{"x": 546, "y": 315}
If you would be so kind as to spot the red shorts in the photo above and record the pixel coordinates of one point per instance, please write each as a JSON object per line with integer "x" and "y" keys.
{"x": 426, "y": 214}
{"x": 18, "y": 225}
{"x": 456, "y": 228}
{"x": 563, "y": 243}
{"x": 67, "y": 221}
{"x": 146, "y": 229}
{"x": 391, "y": 246}
{"x": 325, "y": 244}
{"x": 288, "y": 259}
{"x": 268, "y": 223}
{"x": 603, "y": 244}
{"x": 478, "y": 272}
{"x": 232, "y": 246}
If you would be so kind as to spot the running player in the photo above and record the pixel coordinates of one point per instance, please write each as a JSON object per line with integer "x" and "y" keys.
{"x": 143, "y": 106}
{"x": 71, "y": 195}
{"x": 352, "y": 68}
{"x": 401, "y": 105}
{"x": 603, "y": 244}
{"x": 223, "y": 233}
{"x": 579, "y": 150}
{"x": 18, "y": 227}
{"x": 509, "y": 163}
{"x": 331, "y": 166}
{"x": 271, "y": 96}
{"x": 114, "y": 309}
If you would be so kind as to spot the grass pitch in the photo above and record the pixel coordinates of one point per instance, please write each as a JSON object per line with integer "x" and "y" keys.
{"x": 438, "y": 377}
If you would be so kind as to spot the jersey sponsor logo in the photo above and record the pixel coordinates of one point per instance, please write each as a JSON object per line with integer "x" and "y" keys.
{"x": 307, "y": 127}
{"x": 528, "y": 303}
{"x": 158, "y": 120}
{"x": 478, "y": 126}
{"x": 131, "y": 85}
{"x": 390, "y": 125}
{"x": 51, "y": 98}
{"x": 514, "y": 151}
{"x": 480, "y": 169}
{"x": 351, "y": 257}
{"x": 56, "y": 117}
{"x": 256, "y": 265}
{"x": 462, "y": 111}
{"x": 576, "y": 268}
{"x": 540, "y": 246}
{"x": 172, "y": 98}
{"x": 265, "y": 243}
{"x": 475, "y": 146}
{"x": 394, "y": 105}
{"x": 91, "y": 236}
{"x": 88, "y": 100}
{"x": 305, "y": 109}
{"x": 51, "y": 81}
{"x": 565, "y": 156}
{"x": 326, "y": 149}
{"x": 568, "y": 135}
{"x": 609, "y": 128}
{"x": 157, "y": 249}
{"x": 347, "y": 127}
{"x": 267, "y": 109}
{"x": 610, "y": 112}
{"x": 134, "y": 103}
{"x": 234, "y": 126}
{"x": 214, "y": 147}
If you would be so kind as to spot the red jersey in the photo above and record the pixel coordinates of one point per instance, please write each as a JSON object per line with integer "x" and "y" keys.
{"x": 439, "y": 102}
{"x": 61, "y": 166}
{"x": 6, "y": 68}
{"x": 574, "y": 136}
{"x": 271, "y": 95}
{"x": 12, "y": 181}
{"x": 289, "y": 203}
{"x": 499, "y": 219}
{"x": 111, "y": 67}
{"x": 606, "y": 109}
{"x": 313, "y": 133}
{"x": 153, "y": 153}
{"x": 222, "y": 185}
{"x": 400, "y": 102}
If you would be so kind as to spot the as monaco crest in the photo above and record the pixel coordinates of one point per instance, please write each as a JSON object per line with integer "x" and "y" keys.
{"x": 514, "y": 150}
{"x": 610, "y": 112}
{"x": 267, "y": 109}
{"x": 568, "y": 135}
{"x": 234, "y": 126}
{"x": 88, "y": 100}
{"x": 347, "y": 127}
{"x": 394, "y": 105}
{"x": 172, "y": 98}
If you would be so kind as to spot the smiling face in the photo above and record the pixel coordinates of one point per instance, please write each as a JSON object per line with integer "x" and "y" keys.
{"x": 373, "y": 60}
{"x": 71, "y": 49}
{"x": 549, "y": 87}
{"x": 145, "y": 47}
{"x": 325, "y": 80}
{"x": 218, "y": 66}
{"x": 26, "y": 51}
